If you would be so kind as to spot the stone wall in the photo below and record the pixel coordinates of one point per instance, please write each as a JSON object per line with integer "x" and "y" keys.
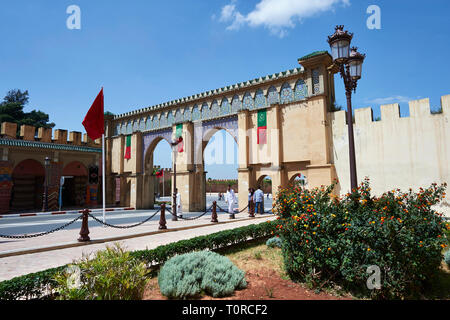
{"x": 395, "y": 152}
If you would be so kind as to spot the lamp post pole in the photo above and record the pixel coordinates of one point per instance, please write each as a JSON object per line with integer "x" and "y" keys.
{"x": 349, "y": 61}
{"x": 174, "y": 195}
{"x": 45, "y": 202}
{"x": 351, "y": 141}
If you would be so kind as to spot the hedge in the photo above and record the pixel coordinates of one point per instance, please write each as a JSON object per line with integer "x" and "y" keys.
{"x": 39, "y": 285}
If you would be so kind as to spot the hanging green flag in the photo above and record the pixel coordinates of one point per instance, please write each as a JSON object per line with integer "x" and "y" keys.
{"x": 262, "y": 127}
{"x": 178, "y": 134}
{"x": 128, "y": 147}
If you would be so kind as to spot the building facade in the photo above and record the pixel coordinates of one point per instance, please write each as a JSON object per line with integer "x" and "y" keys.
{"x": 24, "y": 172}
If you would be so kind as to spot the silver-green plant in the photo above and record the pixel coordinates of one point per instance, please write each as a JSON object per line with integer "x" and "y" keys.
{"x": 192, "y": 274}
{"x": 274, "y": 242}
{"x": 447, "y": 257}
{"x": 112, "y": 274}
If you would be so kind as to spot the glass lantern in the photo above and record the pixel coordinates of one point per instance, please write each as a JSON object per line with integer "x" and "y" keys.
{"x": 355, "y": 62}
{"x": 340, "y": 44}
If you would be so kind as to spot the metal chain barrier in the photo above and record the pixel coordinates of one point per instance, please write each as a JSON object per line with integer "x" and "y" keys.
{"x": 221, "y": 210}
{"x": 123, "y": 227}
{"x": 246, "y": 207}
{"x": 42, "y": 233}
{"x": 193, "y": 218}
{"x": 226, "y": 211}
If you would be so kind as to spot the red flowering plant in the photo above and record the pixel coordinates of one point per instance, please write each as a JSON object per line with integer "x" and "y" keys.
{"x": 328, "y": 239}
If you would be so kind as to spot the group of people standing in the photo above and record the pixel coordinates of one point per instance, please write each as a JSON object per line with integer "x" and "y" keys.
{"x": 255, "y": 201}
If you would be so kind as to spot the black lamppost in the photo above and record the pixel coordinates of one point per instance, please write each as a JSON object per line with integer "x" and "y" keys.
{"x": 174, "y": 195}
{"x": 349, "y": 61}
{"x": 210, "y": 186}
{"x": 47, "y": 178}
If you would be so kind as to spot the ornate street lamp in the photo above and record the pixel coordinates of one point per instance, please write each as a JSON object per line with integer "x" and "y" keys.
{"x": 349, "y": 61}
{"x": 47, "y": 178}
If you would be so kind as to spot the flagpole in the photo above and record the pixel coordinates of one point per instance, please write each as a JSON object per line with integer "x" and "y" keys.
{"x": 103, "y": 177}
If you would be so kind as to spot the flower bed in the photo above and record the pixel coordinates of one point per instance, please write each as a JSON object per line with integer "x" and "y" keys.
{"x": 327, "y": 239}
{"x": 41, "y": 284}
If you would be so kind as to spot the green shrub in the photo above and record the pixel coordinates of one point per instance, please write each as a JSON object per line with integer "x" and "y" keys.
{"x": 30, "y": 286}
{"x": 447, "y": 258}
{"x": 39, "y": 285}
{"x": 274, "y": 242}
{"x": 191, "y": 274}
{"x": 331, "y": 239}
{"x": 111, "y": 275}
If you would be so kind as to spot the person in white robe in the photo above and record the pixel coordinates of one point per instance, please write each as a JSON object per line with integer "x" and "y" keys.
{"x": 179, "y": 208}
{"x": 230, "y": 199}
{"x": 178, "y": 200}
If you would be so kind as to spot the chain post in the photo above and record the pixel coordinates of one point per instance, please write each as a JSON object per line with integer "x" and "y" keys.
{"x": 84, "y": 232}
{"x": 162, "y": 217}
{"x": 214, "y": 212}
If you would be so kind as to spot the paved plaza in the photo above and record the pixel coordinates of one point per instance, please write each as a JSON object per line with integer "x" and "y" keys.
{"x": 23, "y": 256}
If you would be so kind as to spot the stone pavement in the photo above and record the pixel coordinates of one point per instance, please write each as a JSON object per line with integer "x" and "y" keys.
{"x": 15, "y": 261}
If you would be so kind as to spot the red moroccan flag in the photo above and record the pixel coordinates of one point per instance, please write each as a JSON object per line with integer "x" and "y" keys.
{"x": 178, "y": 134}
{"x": 128, "y": 148}
{"x": 93, "y": 121}
{"x": 262, "y": 127}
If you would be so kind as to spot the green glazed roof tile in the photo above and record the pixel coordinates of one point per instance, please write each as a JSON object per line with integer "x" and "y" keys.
{"x": 44, "y": 145}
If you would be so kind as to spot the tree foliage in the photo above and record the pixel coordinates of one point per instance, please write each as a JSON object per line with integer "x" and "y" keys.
{"x": 11, "y": 110}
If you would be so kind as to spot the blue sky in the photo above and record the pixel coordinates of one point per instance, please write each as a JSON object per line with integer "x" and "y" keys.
{"x": 147, "y": 52}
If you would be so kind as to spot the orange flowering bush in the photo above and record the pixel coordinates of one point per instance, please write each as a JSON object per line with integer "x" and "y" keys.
{"x": 330, "y": 239}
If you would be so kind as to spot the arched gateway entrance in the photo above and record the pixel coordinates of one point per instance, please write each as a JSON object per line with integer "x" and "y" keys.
{"x": 279, "y": 122}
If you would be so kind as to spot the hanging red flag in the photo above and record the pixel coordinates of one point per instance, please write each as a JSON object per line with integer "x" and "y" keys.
{"x": 128, "y": 147}
{"x": 93, "y": 121}
{"x": 262, "y": 127}
{"x": 178, "y": 134}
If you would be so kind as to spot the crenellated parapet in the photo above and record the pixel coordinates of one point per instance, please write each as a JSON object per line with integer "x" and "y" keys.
{"x": 419, "y": 110}
{"x": 46, "y": 135}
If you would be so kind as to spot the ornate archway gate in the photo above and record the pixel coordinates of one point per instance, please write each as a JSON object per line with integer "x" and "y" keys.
{"x": 298, "y": 134}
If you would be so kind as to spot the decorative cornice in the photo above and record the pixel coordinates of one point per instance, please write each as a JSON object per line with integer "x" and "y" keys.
{"x": 216, "y": 92}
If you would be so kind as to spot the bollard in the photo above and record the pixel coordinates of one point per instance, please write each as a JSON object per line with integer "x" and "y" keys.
{"x": 84, "y": 232}
{"x": 251, "y": 209}
{"x": 162, "y": 217}
{"x": 214, "y": 212}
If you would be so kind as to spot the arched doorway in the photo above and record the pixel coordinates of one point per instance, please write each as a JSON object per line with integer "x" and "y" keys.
{"x": 157, "y": 158}
{"x": 74, "y": 189}
{"x": 28, "y": 185}
{"x": 265, "y": 182}
{"x": 220, "y": 164}
{"x": 299, "y": 180}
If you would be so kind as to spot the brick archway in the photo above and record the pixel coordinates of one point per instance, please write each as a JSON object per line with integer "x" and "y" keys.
{"x": 28, "y": 179}
{"x": 74, "y": 190}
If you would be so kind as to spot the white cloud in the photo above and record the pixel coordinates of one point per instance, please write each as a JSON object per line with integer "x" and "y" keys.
{"x": 393, "y": 99}
{"x": 277, "y": 15}
{"x": 227, "y": 13}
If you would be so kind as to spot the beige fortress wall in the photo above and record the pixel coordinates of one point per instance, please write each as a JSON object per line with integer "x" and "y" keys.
{"x": 407, "y": 152}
